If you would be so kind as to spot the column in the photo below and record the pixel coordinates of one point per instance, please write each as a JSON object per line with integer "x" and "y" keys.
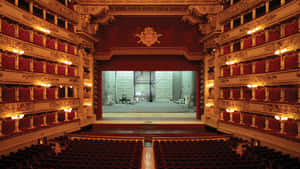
{"x": 17, "y": 129}
{"x": 44, "y": 14}
{"x": 267, "y": 35}
{"x": 44, "y": 93}
{"x": 221, "y": 116}
{"x": 230, "y": 94}
{"x": 253, "y": 93}
{"x": 66, "y": 92}
{"x": 0, "y": 95}
{"x": 31, "y": 93}
{"x": 267, "y": 124}
{"x": 2, "y": 134}
{"x": 231, "y": 70}
{"x": 76, "y": 115}
{"x": 31, "y": 122}
{"x": 56, "y": 117}
{"x": 221, "y": 94}
{"x": 298, "y": 126}
{"x": 230, "y": 115}
{"x": 267, "y": 91}
{"x": 241, "y": 118}
{"x": 45, "y": 119}
{"x": 299, "y": 55}
{"x": 17, "y": 94}
{"x": 242, "y": 68}
{"x": 241, "y": 93}
{"x": 282, "y": 62}
{"x": 281, "y": 94}
{"x": 31, "y": 65}
{"x": 66, "y": 116}
{"x": 44, "y": 67}
{"x": 253, "y": 121}
{"x": 281, "y": 127}
{"x": 0, "y": 25}
{"x": 298, "y": 94}
{"x": 17, "y": 62}
{"x": 267, "y": 65}
{"x": 267, "y": 6}
{"x": 282, "y": 31}
{"x": 56, "y": 93}
{"x": 253, "y": 67}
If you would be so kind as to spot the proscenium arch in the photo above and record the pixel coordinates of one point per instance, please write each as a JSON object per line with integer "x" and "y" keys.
{"x": 148, "y": 63}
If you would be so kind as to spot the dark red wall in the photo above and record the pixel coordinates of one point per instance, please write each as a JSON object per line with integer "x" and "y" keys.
{"x": 122, "y": 33}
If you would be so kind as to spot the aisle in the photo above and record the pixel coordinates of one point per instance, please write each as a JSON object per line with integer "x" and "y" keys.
{"x": 148, "y": 159}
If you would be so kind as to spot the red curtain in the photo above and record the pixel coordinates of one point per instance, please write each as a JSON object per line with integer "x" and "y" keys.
{"x": 50, "y": 93}
{"x": 291, "y": 94}
{"x": 8, "y": 126}
{"x": 24, "y": 64}
{"x": 248, "y": 42}
{"x": 38, "y": 66}
{"x": 38, "y": 120}
{"x": 226, "y": 49}
{"x": 61, "y": 116}
{"x": 274, "y": 94}
{"x": 24, "y": 123}
{"x": 71, "y": 49}
{"x": 24, "y": 94}
{"x": 260, "y": 37}
{"x": 61, "y": 46}
{"x": 70, "y": 27}
{"x": 236, "y": 93}
{"x": 226, "y": 27}
{"x": 71, "y": 71}
{"x": 260, "y": 94}
{"x": 50, "y": 118}
{"x": 291, "y": 60}
{"x": 247, "y": 68}
{"x": 38, "y": 39}
{"x": 50, "y": 68}
{"x": 247, "y": 93}
{"x": 8, "y": 62}
{"x": 61, "y": 70}
{"x": 291, "y": 27}
{"x": 274, "y": 64}
{"x": 226, "y": 93}
{"x": 260, "y": 122}
{"x": 274, "y": 33}
{"x": 291, "y": 128}
{"x": 71, "y": 115}
{"x": 7, "y": 28}
{"x": 247, "y": 119}
{"x": 274, "y": 125}
{"x": 236, "y": 69}
{"x": 260, "y": 66}
{"x": 24, "y": 34}
{"x": 236, "y": 117}
{"x": 226, "y": 71}
{"x": 50, "y": 43}
{"x": 8, "y": 94}
{"x": 226, "y": 116}
{"x": 38, "y": 93}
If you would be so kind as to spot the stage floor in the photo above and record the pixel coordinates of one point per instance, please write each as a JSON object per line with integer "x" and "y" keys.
{"x": 156, "y": 118}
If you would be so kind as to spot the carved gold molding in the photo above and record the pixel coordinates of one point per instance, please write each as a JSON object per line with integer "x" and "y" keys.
{"x": 147, "y": 2}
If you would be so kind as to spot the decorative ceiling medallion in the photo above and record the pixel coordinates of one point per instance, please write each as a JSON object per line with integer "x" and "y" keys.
{"x": 148, "y": 37}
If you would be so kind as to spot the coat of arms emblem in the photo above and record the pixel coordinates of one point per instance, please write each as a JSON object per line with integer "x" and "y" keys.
{"x": 148, "y": 37}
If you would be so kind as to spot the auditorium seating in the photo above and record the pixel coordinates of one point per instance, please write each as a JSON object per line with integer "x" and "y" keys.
{"x": 209, "y": 154}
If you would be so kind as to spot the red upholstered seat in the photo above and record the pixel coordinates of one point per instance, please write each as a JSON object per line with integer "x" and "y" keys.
{"x": 61, "y": 116}
{"x": 260, "y": 122}
{"x": 71, "y": 115}
{"x": 25, "y": 123}
{"x": 8, "y": 94}
{"x": 247, "y": 93}
{"x": 248, "y": 42}
{"x": 7, "y": 28}
{"x": 70, "y": 27}
{"x": 50, "y": 68}
{"x": 274, "y": 64}
{"x": 8, "y": 126}
{"x": 247, "y": 68}
{"x": 226, "y": 26}
{"x": 24, "y": 94}
{"x": 38, "y": 66}
{"x": 236, "y": 117}
{"x": 274, "y": 93}
{"x": 24, "y": 34}
{"x": 290, "y": 127}
{"x": 260, "y": 38}
{"x": 274, "y": 125}
{"x": 247, "y": 119}
{"x": 50, "y": 43}
{"x": 291, "y": 60}
{"x": 260, "y": 66}
{"x": 8, "y": 62}
{"x": 38, "y": 93}
{"x": 274, "y": 33}
{"x": 236, "y": 69}
{"x": 291, "y": 27}
{"x": 24, "y": 64}
{"x": 226, "y": 71}
{"x": 50, "y": 118}
{"x": 226, "y": 93}
{"x": 38, "y": 39}
{"x": 38, "y": 120}
{"x": 226, "y": 116}
{"x": 291, "y": 94}
{"x": 260, "y": 94}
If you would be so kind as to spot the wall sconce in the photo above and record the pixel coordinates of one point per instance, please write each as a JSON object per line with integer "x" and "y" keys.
{"x": 45, "y": 85}
{"x": 231, "y": 62}
{"x": 67, "y": 62}
{"x": 230, "y": 110}
{"x": 47, "y": 31}
{"x": 19, "y": 116}
{"x": 209, "y": 104}
{"x": 60, "y": 86}
{"x": 87, "y": 104}
{"x": 17, "y": 51}
{"x": 68, "y": 110}
{"x": 88, "y": 84}
{"x": 254, "y": 30}
{"x": 209, "y": 85}
{"x": 281, "y": 118}
{"x": 278, "y": 52}
{"x": 252, "y": 86}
